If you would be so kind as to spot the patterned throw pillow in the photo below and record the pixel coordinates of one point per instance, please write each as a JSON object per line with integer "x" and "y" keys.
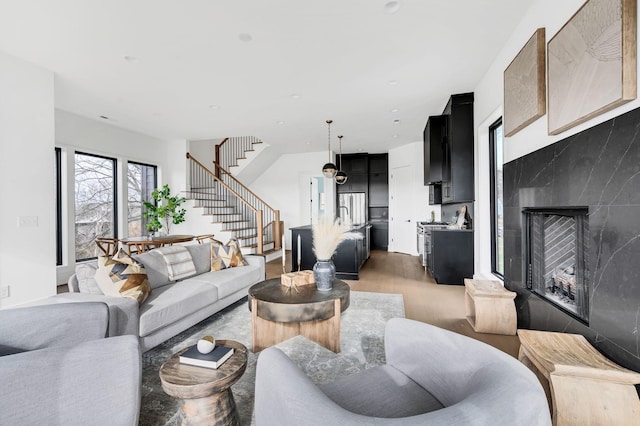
{"x": 121, "y": 276}
{"x": 225, "y": 256}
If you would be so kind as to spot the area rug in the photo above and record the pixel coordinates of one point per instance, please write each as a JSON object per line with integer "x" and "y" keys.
{"x": 361, "y": 340}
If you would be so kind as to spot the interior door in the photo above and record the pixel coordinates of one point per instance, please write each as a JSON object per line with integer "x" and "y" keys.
{"x": 403, "y": 228}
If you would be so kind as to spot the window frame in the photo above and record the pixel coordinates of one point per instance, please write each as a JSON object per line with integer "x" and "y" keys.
{"x": 155, "y": 180}
{"x": 58, "y": 183}
{"x": 493, "y": 202}
{"x": 114, "y": 161}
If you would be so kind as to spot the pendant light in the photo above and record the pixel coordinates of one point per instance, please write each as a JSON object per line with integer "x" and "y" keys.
{"x": 341, "y": 177}
{"x": 329, "y": 170}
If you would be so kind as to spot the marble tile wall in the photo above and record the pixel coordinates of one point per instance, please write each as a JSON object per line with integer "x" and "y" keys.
{"x": 598, "y": 168}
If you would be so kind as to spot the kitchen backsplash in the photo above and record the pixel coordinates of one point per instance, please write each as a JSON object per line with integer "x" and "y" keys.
{"x": 450, "y": 213}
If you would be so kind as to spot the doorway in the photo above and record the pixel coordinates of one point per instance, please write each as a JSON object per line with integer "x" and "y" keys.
{"x": 403, "y": 228}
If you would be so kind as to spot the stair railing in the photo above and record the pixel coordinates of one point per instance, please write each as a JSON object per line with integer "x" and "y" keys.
{"x": 272, "y": 228}
{"x": 204, "y": 182}
{"x": 230, "y": 150}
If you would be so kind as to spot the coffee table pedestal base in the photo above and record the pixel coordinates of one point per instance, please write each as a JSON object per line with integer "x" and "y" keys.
{"x": 267, "y": 333}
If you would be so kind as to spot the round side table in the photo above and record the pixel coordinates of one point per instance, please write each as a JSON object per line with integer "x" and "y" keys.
{"x": 205, "y": 392}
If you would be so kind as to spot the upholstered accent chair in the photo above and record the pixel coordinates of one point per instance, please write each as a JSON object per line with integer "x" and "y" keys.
{"x": 57, "y": 367}
{"x": 432, "y": 377}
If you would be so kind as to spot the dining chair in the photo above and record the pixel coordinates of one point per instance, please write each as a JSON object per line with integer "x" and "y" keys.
{"x": 202, "y": 238}
{"x": 108, "y": 246}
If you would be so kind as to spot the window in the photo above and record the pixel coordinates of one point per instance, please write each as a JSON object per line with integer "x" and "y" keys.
{"x": 141, "y": 181}
{"x": 497, "y": 211}
{"x": 58, "y": 181}
{"x": 95, "y": 201}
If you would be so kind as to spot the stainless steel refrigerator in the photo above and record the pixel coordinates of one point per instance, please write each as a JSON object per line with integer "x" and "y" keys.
{"x": 352, "y": 207}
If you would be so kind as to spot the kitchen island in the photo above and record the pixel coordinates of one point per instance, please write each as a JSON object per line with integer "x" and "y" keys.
{"x": 348, "y": 258}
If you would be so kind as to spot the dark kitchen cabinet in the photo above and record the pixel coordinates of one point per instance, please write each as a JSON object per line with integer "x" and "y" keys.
{"x": 356, "y": 168}
{"x": 348, "y": 258}
{"x": 457, "y": 158}
{"x": 379, "y": 235}
{"x": 378, "y": 180}
{"x": 432, "y": 137}
{"x": 451, "y": 256}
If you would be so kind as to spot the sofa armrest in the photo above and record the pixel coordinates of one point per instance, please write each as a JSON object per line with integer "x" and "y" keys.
{"x": 124, "y": 312}
{"x": 258, "y": 260}
{"x": 74, "y": 286}
{"x": 65, "y": 324}
{"x": 286, "y": 396}
{"x": 93, "y": 383}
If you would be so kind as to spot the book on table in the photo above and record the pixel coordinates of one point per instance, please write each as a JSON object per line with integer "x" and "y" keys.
{"x": 213, "y": 359}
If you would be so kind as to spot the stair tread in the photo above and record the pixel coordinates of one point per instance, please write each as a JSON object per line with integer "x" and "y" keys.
{"x": 254, "y": 245}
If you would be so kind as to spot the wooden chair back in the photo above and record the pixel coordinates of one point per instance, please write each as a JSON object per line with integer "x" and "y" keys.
{"x": 108, "y": 246}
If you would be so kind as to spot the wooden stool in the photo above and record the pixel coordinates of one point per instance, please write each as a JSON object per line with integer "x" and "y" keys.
{"x": 490, "y": 307}
{"x": 582, "y": 386}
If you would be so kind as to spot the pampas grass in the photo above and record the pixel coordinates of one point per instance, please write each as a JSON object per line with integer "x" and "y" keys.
{"x": 327, "y": 235}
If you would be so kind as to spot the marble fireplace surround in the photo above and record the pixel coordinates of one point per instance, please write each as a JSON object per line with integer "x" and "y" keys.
{"x": 598, "y": 168}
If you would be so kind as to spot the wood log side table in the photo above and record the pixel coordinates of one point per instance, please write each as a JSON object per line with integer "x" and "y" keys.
{"x": 279, "y": 312}
{"x": 205, "y": 392}
{"x": 490, "y": 307}
{"x": 582, "y": 386}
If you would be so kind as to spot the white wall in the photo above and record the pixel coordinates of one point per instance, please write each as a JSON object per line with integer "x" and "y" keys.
{"x": 76, "y": 133}
{"x": 27, "y": 186}
{"x": 411, "y": 155}
{"x": 552, "y": 15}
{"x": 285, "y": 186}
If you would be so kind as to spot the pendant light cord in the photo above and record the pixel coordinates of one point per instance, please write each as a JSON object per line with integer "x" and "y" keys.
{"x": 329, "y": 138}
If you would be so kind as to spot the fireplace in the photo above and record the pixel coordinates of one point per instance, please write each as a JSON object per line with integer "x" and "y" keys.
{"x": 556, "y": 257}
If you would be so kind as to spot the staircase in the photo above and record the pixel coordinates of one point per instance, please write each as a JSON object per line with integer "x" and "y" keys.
{"x": 233, "y": 210}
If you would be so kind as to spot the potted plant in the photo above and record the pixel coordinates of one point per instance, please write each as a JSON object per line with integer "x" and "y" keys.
{"x": 164, "y": 211}
{"x": 327, "y": 235}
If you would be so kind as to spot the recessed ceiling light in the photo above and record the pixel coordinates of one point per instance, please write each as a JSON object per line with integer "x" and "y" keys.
{"x": 104, "y": 117}
{"x": 214, "y": 106}
{"x": 395, "y": 110}
{"x": 245, "y": 37}
{"x": 396, "y": 121}
{"x": 395, "y": 136}
{"x": 295, "y": 96}
{"x": 130, "y": 58}
{"x": 393, "y": 82}
{"x": 391, "y": 7}
{"x": 280, "y": 123}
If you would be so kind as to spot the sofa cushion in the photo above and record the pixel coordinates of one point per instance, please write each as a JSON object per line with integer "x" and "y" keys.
{"x": 171, "y": 303}
{"x": 121, "y": 275}
{"x": 381, "y": 391}
{"x": 230, "y": 280}
{"x": 85, "y": 274}
{"x": 225, "y": 256}
{"x": 156, "y": 268}
{"x": 201, "y": 256}
{"x": 178, "y": 262}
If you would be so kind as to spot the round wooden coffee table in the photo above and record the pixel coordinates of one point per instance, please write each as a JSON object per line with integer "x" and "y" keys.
{"x": 205, "y": 392}
{"x": 279, "y": 313}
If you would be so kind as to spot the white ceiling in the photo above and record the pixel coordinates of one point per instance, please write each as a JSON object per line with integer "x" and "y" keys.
{"x": 177, "y": 69}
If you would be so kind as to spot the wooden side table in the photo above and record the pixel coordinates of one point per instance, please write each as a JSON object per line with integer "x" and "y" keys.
{"x": 490, "y": 307}
{"x": 582, "y": 386}
{"x": 206, "y": 393}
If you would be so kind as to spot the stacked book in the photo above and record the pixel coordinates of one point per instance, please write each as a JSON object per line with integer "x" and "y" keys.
{"x": 213, "y": 359}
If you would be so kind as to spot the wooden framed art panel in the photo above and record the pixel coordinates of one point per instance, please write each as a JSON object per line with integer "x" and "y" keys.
{"x": 524, "y": 85}
{"x": 592, "y": 63}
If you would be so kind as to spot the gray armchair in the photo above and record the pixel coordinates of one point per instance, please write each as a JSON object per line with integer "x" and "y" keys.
{"x": 432, "y": 376}
{"x": 57, "y": 367}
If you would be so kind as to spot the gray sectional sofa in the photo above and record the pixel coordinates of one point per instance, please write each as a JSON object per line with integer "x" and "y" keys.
{"x": 172, "y": 307}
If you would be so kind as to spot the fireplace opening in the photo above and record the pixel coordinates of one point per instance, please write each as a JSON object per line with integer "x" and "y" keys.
{"x": 556, "y": 250}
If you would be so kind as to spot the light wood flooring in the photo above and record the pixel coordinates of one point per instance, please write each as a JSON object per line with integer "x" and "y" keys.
{"x": 424, "y": 300}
